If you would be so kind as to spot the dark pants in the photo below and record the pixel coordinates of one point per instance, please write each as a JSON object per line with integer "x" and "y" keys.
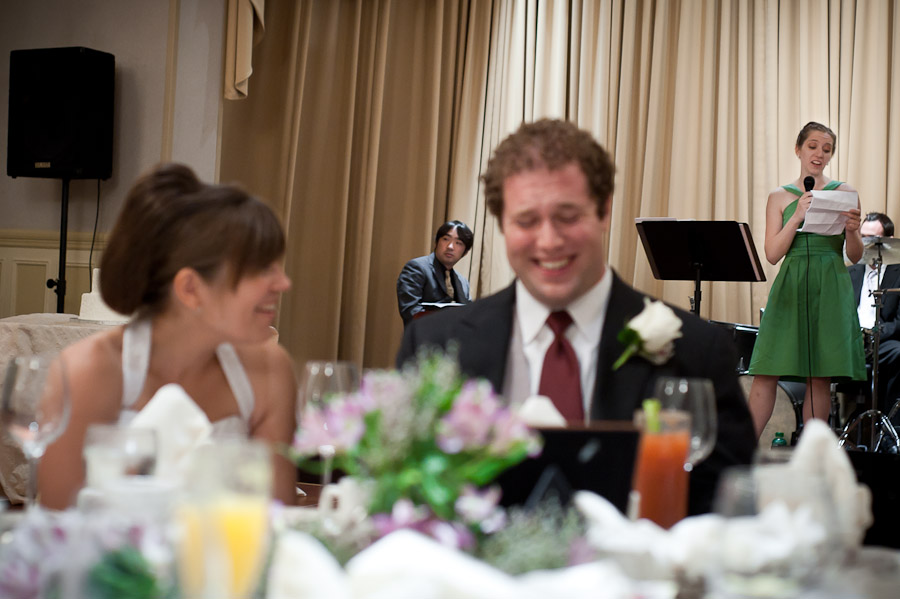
{"x": 888, "y": 374}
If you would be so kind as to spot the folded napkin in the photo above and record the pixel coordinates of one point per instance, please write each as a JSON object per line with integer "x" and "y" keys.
{"x": 818, "y": 453}
{"x": 538, "y": 411}
{"x": 180, "y": 425}
{"x": 785, "y": 530}
{"x": 409, "y": 565}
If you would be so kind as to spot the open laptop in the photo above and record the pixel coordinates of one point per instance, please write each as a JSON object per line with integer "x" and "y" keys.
{"x": 599, "y": 458}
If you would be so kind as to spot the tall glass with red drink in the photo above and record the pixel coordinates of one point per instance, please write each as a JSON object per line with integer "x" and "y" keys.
{"x": 660, "y": 477}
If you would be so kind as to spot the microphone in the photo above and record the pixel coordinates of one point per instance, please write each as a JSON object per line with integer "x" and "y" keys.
{"x": 809, "y": 183}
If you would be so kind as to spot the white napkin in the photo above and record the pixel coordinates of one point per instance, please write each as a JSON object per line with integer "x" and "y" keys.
{"x": 180, "y": 425}
{"x": 408, "y": 565}
{"x": 645, "y": 550}
{"x": 819, "y": 453}
{"x": 538, "y": 411}
{"x": 303, "y": 569}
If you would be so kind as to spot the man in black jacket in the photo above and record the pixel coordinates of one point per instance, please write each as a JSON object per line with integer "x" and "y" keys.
{"x": 863, "y": 277}
{"x": 550, "y": 186}
{"x": 431, "y": 279}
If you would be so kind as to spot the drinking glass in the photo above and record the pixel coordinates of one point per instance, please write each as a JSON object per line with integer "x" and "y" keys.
{"x": 112, "y": 452}
{"x": 34, "y": 407}
{"x": 322, "y": 382}
{"x": 660, "y": 478}
{"x": 224, "y": 519}
{"x": 696, "y": 397}
{"x": 779, "y": 535}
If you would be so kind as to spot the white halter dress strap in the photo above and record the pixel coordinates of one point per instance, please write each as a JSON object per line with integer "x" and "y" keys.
{"x": 237, "y": 379}
{"x": 135, "y": 360}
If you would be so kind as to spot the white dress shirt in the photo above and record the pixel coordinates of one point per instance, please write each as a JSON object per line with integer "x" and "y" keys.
{"x": 531, "y": 337}
{"x": 866, "y": 308}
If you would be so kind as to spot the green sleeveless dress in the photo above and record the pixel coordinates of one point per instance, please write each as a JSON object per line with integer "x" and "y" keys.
{"x": 810, "y": 327}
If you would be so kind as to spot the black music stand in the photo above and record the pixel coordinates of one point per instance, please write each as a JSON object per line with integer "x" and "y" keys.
{"x": 700, "y": 250}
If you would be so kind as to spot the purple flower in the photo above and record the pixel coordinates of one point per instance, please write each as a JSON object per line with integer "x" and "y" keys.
{"x": 510, "y": 430}
{"x": 468, "y": 423}
{"x": 480, "y": 508}
{"x": 404, "y": 514}
{"x": 450, "y": 534}
{"x": 339, "y": 425}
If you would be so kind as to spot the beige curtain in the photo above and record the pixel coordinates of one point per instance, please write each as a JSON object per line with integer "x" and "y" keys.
{"x": 370, "y": 122}
{"x": 244, "y": 28}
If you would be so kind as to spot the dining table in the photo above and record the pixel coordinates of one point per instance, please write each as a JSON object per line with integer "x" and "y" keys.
{"x": 33, "y": 334}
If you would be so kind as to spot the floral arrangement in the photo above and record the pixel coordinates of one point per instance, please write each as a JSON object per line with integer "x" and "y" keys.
{"x": 61, "y": 554}
{"x": 651, "y": 334}
{"x": 424, "y": 444}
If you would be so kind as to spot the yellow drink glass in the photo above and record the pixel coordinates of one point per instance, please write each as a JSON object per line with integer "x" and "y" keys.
{"x": 224, "y": 521}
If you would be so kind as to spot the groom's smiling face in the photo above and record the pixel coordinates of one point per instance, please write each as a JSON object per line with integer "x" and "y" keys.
{"x": 555, "y": 238}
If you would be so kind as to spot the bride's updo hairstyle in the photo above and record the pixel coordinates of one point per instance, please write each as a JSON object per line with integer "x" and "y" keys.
{"x": 172, "y": 220}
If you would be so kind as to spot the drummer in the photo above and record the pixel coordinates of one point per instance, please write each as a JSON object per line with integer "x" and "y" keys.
{"x": 877, "y": 225}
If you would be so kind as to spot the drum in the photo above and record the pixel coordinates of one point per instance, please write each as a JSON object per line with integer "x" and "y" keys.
{"x": 788, "y": 413}
{"x": 744, "y": 337}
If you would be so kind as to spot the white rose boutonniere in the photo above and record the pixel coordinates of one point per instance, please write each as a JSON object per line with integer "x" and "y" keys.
{"x": 651, "y": 334}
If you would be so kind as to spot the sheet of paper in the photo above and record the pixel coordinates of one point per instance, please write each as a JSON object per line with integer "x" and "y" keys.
{"x": 824, "y": 215}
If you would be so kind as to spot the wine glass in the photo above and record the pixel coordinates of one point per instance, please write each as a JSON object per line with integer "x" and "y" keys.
{"x": 697, "y": 397}
{"x": 778, "y": 535}
{"x": 323, "y": 381}
{"x": 34, "y": 407}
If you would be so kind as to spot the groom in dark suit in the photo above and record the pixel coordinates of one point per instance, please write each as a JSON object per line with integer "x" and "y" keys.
{"x": 880, "y": 225}
{"x": 555, "y": 328}
{"x": 431, "y": 279}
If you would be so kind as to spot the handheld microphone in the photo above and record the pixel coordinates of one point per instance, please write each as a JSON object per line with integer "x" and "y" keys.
{"x": 809, "y": 183}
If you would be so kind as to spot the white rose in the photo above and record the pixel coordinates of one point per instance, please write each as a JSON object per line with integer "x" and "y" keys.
{"x": 658, "y": 326}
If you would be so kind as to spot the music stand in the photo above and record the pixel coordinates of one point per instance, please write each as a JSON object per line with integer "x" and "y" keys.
{"x": 700, "y": 250}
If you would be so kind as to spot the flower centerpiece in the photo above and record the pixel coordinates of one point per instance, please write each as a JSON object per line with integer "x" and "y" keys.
{"x": 64, "y": 554}
{"x": 426, "y": 444}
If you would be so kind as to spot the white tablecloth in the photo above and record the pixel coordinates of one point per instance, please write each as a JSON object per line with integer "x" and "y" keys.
{"x": 32, "y": 334}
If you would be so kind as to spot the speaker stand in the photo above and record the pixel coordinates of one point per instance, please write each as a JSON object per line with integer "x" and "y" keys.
{"x": 59, "y": 285}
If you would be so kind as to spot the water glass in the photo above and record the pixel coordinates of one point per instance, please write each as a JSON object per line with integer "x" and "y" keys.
{"x": 34, "y": 407}
{"x": 779, "y": 535}
{"x": 112, "y": 452}
{"x": 322, "y": 382}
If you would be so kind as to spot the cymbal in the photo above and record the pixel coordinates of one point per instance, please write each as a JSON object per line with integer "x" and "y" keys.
{"x": 888, "y": 247}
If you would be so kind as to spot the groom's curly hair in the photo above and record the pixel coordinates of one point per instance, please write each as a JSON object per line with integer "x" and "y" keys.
{"x": 551, "y": 144}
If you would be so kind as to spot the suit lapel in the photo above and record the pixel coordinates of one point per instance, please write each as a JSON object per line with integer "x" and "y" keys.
{"x": 485, "y": 334}
{"x": 617, "y": 393}
{"x": 890, "y": 280}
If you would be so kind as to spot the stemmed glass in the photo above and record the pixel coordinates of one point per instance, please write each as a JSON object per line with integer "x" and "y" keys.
{"x": 322, "y": 381}
{"x": 779, "y": 536}
{"x": 697, "y": 397}
{"x": 34, "y": 407}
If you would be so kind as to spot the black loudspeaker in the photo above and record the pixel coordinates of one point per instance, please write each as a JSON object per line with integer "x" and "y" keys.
{"x": 61, "y": 113}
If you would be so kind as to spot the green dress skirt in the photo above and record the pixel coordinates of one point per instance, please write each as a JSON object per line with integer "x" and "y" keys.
{"x": 809, "y": 327}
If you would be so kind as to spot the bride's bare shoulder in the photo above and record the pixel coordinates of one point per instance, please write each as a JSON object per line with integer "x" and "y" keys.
{"x": 99, "y": 355}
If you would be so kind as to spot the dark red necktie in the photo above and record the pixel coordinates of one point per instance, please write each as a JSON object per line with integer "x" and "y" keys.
{"x": 560, "y": 378}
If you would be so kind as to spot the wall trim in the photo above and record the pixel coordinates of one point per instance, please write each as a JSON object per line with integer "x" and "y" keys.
{"x": 48, "y": 240}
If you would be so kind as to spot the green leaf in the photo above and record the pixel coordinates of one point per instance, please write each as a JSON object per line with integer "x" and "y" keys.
{"x": 123, "y": 573}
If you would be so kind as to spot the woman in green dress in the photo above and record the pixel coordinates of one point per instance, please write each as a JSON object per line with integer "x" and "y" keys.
{"x": 809, "y": 331}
